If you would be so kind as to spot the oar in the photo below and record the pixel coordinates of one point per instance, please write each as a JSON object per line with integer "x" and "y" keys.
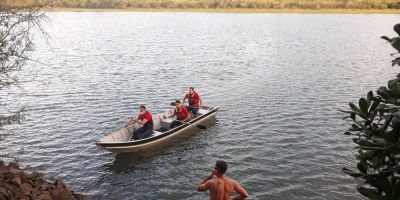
{"x": 199, "y": 126}
{"x": 173, "y": 104}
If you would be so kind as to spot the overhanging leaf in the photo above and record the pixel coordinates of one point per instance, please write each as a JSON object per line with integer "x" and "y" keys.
{"x": 351, "y": 172}
{"x": 374, "y": 105}
{"x": 385, "y": 38}
{"x": 396, "y": 61}
{"x": 370, "y": 193}
{"x": 354, "y": 108}
{"x": 363, "y": 167}
{"x": 363, "y": 105}
{"x": 385, "y": 185}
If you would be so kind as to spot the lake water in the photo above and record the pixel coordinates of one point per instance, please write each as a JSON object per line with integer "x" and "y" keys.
{"x": 279, "y": 80}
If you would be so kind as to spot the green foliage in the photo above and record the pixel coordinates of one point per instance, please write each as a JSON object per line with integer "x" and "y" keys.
{"x": 267, "y": 4}
{"x": 376, "y": 131}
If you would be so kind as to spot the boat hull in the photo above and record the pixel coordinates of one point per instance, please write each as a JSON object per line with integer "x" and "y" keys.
{"x": 162, "y": 139}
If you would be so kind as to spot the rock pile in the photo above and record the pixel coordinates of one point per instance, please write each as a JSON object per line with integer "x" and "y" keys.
{"x": 16, "y": 184}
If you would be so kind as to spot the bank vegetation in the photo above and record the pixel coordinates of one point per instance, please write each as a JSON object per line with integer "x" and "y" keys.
{"x": 223, "y": 4}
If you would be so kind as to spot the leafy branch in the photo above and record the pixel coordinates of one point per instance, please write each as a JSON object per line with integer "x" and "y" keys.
{"x": 375, "y": 127}
{"x": 18, "y": 20}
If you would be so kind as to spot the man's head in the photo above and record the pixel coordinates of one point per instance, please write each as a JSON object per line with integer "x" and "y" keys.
{"x": 220, "y": 168}
{"x": 178, "y": 104}
{"x": 191, "y": 90}
{"x": 142, "y": 109}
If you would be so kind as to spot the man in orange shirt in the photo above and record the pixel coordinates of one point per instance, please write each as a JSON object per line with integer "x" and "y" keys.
{"x": 221, "y": 187}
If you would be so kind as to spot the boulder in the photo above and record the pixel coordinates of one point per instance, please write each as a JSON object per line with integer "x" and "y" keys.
{"x": 11, "y": 188}
{"x": 36, "y": 192}
{"x": 34, "y": 176}
{"x": 3, "y": 192}
{"x": 59, "y": 183}
{"x": 26, "y": 188}
{"x": 16, "y": 180}
{"x": 44, "y": 187}
{"x": 45, "y": 197}
{"x": 13, "y": 165}
{"x": 3, "y": 170}
{"x": 14, "y": 170}
{"x": 17, "y": 184}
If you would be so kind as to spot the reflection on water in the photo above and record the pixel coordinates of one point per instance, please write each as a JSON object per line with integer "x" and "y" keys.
{"x": 125, "y": 162}
{"x": 278, "y": 79}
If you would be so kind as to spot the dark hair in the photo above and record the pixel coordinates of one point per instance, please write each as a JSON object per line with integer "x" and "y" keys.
{"x": 191, "y": 88}
{"x": 221, "y": 166}
{"x": 177, "y": 101}
{"x": 142, "y": 106}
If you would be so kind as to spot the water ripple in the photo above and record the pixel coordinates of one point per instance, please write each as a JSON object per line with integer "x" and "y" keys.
{"x": 278, "y": 79}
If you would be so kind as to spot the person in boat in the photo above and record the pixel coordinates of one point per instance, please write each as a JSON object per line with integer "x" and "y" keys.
{"x": 145, "y": 119}
{"x": 181, "y": 113}
{"x": 194, "y": 101}
{"x": 221, "y": 187}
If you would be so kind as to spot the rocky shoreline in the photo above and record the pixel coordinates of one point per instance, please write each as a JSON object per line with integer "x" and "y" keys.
{"x": 17, "y": 184}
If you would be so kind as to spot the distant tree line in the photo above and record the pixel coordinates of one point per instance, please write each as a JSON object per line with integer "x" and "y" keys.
{"x": 266, "y": 4}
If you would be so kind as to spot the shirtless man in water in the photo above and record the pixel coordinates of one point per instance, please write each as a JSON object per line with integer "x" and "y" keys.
{"x": 222, "y": 187}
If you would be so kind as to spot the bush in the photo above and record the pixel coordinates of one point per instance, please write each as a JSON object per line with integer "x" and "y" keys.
{"x": 376, "y": 131}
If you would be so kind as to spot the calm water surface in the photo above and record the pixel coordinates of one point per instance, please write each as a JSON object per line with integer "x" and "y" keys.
{"x": 278, "y": 79}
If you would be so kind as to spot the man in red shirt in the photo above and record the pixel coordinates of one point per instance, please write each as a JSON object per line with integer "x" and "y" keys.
{"x": 194, "y": 100}
{"x": 146, "y": 120}
{"x": 181, "y": 113}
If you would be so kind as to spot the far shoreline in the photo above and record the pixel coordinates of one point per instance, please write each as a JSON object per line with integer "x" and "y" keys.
{"x": 234, "y": 10}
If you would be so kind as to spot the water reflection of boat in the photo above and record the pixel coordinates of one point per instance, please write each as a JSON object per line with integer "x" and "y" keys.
{"x": 120, "y": 141}
{"x": 128, "y": 162}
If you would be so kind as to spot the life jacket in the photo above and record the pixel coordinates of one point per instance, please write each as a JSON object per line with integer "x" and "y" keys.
{"x": 181, "y": 114}
{"x": 193, "y": 101}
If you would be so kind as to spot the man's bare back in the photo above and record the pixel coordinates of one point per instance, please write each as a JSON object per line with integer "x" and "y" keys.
{"x": 221, "y": 187}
